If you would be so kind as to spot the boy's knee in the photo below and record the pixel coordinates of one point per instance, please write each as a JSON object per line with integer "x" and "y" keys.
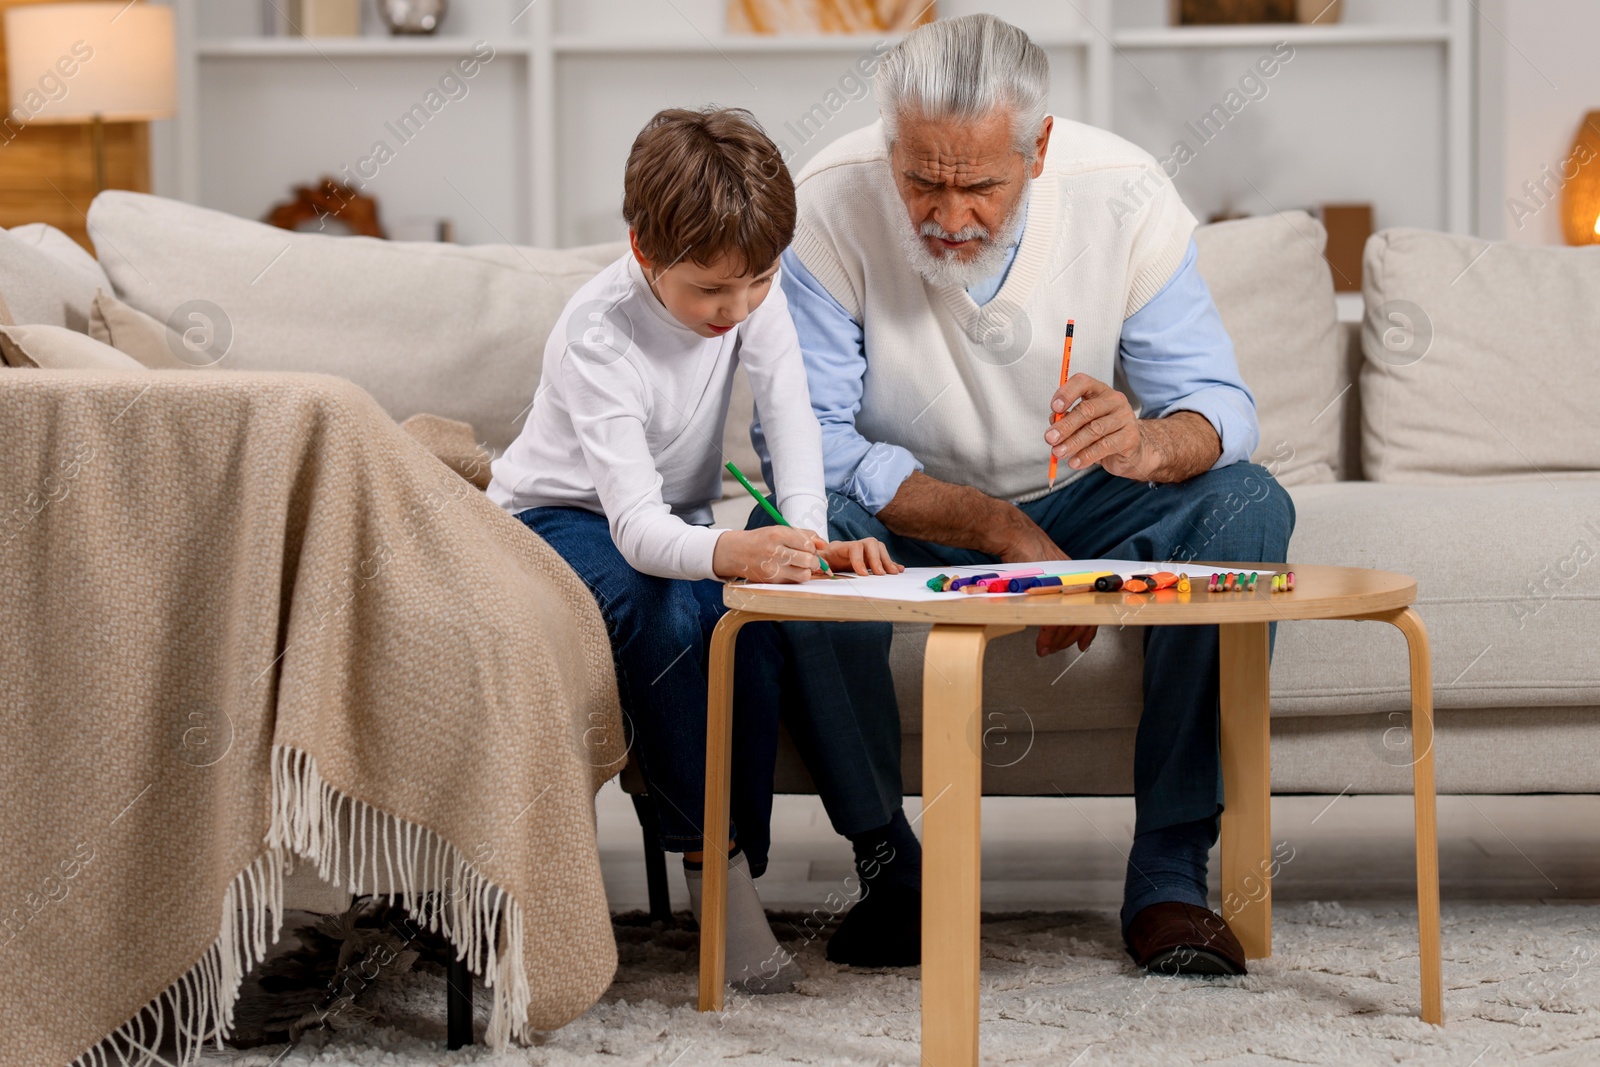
{"x": 658, "y": 608}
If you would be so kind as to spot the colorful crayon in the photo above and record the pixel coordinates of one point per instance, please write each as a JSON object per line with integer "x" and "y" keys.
{"x": 988, "y": 585}
{"x": 1061, "y": 589}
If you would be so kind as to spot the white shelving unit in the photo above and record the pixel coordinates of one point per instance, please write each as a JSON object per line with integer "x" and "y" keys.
{"x": 1266, "y": 36}
{"x": 837, "y": 44}
{"x": 350, "y": 47}
{"x": 575, "y": 78}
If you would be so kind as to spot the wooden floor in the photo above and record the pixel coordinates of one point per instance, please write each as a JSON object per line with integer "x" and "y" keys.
{"x": 1055, "y": 853}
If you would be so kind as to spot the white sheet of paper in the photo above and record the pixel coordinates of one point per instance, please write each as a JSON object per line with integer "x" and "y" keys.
{"x": 912, "y": 584}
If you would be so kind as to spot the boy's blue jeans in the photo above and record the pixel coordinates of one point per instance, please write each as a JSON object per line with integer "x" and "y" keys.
{"x": 1238, "y": 512}
{"x": 660, "y": 631}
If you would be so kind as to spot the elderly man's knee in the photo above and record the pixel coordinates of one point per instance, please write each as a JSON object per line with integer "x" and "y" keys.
{"x": 849, "y": 521}
{"x": 1239, "y": 511}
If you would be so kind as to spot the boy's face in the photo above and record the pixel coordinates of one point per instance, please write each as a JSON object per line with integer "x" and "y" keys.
{"x": 709, "y": 300}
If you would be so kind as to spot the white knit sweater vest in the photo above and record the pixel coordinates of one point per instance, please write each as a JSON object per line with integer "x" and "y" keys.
{"x": 966, "y": 388}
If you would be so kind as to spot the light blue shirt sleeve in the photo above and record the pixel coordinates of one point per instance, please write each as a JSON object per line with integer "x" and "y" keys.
{"x": 834, "y": 349}
{"x": 1177, "y": 356}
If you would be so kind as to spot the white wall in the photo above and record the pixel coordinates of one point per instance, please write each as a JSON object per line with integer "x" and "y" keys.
{"x": 1540, "y": 74}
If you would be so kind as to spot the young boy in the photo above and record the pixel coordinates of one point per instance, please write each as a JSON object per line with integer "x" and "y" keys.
{"x": 619, "y": 461}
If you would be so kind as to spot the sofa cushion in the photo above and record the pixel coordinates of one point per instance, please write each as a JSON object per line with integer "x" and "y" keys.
{"x": 47, "y": 278}
{"x": 1479, "y": 358}
{"x": 58, "y": 348}
{"x": 1274, "y": 291}
{"x": 449, "y": 329}
{"x": 1508, "y": 583}
{"x": 152, "y": 343}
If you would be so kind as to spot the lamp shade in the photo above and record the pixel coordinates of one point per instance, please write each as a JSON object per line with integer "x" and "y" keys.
{"x": 76, "y": 62}
{"x": 1580, "y": 196}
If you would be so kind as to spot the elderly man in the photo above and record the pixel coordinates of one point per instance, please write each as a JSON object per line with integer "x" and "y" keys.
{"x": 939, "y": 255}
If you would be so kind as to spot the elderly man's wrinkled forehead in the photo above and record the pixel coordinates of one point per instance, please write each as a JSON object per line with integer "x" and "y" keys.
{"x": 959, "y": 151}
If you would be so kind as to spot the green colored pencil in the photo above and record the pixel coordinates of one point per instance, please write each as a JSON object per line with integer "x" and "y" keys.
{"x": 777, "y": 516}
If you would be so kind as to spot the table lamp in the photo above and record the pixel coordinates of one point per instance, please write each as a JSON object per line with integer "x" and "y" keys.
{"x": 1580, "y": 196}
{"x": 121, "y": 58}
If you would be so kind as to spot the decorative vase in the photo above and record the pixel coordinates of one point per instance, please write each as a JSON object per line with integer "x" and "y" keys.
{"x": 330, "y": 18}
{"x": 412, "y": 16}
{"x": 1580, "y": 195}
{"x": 829, "y": 16}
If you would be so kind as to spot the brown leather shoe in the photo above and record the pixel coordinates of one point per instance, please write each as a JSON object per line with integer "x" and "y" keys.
{"x": 1173, "y": 938}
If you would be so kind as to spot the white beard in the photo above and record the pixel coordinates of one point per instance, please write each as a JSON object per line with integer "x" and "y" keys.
{"x": 944, "y": 268}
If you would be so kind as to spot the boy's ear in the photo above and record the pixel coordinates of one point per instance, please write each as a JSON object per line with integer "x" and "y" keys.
{"x": 633, "y": 243}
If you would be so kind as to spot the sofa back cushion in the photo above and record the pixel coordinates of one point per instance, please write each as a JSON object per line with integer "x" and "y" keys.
{"x": 449, "y": 329}
{"x": 46, "y": 278}
{"x": 1478, "y": 359}
{"x": 1274, "y": 291}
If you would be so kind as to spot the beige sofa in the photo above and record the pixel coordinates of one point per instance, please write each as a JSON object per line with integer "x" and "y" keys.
{"x": 1453, "y": 443}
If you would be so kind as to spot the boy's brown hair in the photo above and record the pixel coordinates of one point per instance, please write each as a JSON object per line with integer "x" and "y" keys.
{"x": 701, "y": 185}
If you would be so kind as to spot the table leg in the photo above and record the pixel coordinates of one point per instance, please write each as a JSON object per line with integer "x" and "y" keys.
{"x": 719, "y": 752}
{"x": 952, "y": 793}
{"x": 1246, "y": 785}
{"x": 1423, "y": 790}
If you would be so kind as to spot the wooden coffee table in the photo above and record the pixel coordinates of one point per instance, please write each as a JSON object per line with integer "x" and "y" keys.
{"x": 952, "y": 786}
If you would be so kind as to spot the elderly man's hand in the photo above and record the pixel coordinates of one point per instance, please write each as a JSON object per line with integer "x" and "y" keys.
{"x": 1030, "y": 544}
{"x": 1101, "y": 429}
{"x": 1104, "y": 429}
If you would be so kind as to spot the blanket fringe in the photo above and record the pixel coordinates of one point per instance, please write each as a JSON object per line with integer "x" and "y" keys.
{"x": 358, "y": 848}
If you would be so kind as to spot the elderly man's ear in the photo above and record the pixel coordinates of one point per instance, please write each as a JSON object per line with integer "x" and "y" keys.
{"x": 1040, "y": 144}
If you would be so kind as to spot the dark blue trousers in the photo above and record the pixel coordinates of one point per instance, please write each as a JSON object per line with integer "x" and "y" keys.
{"x": 840, "y": 710}
{"x": 660, "y": 630}
{"x": 1239, "y": 512}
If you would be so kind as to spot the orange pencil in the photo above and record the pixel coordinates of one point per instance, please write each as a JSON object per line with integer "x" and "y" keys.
{"x": 1066, "y": 372}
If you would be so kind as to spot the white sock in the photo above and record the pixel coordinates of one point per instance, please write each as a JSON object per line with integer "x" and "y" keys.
{"x": 755, "y": 962}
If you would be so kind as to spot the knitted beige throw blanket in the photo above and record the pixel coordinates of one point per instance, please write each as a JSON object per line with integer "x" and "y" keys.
{"x": 246, "y": 621}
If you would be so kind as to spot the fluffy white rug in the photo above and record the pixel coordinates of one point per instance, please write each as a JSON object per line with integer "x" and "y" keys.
{"x": 1522, "y": 985}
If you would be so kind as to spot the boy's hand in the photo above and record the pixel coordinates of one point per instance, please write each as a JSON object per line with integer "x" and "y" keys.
{"x": 770, "y": 554}
{"x": 866, "y": 556}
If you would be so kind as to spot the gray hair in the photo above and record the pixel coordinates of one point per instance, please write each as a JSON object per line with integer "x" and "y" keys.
{"x": 964, "y": 68}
